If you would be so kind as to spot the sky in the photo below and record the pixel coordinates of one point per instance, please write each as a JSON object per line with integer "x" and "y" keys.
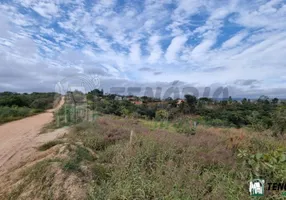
{"x": 235, "y": 44}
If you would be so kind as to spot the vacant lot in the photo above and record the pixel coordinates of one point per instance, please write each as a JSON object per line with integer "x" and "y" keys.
{"x": 99, "y": 160}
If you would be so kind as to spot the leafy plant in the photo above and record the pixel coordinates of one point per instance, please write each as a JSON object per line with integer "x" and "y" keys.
{"x": 268, "y": 165}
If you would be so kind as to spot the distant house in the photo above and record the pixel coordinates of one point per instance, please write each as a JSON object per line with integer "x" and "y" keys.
{"x": 118, "y": 98}
{"x": 137, "y": 102}
{"x": 180, "y": 101}
{"x": 131, "y": 98}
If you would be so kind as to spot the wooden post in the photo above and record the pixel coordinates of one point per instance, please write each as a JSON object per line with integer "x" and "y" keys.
{"x": 131, "y": 137}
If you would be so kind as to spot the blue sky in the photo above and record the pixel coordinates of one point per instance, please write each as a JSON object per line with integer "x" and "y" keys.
{"x": 239, "y": 44}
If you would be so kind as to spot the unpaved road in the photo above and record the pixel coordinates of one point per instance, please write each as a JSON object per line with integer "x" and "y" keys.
{"x": 18, "y": 139}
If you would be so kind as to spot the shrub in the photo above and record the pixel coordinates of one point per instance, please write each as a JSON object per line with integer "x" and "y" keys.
{"x": 161, "y": 115}
{"x": 185, "y": 127}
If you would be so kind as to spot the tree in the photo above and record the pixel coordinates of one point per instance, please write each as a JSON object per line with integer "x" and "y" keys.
{"x": 191, "y": 101}
{"x": 169, "y": 99}
{"x": 230, "y": 100}
{"x": 90, "y": 97}
{"x": 275, "y": 101}
{"x": 263, "y": 99}
{"x": 205, "y": 100}
{"x": 244, "y": 101}
{"x": 96, "y": 92}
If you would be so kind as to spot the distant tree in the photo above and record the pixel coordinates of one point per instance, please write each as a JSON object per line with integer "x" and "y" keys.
{"x": 96, "y": 92}
{"x": 191, "y": 103}
{"x": 146, "y": 99}
{"x": 205, "y": 100}
{"x": 230, "y": 100}
{"x": 111, "y": 96}
{"x": 169, "y": 99}
{"x": 263, "y": 99}
{"x": 90, "y": 97}
{"x": 275, "y": 101}
{"x": 244, "y": 101}
{"x": 191, "y": 100}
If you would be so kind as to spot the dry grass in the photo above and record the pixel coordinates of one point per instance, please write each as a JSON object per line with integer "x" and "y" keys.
{"x": 158, "y": 164}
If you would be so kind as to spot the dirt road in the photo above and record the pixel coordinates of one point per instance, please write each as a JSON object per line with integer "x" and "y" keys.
{"x": 18, "y": 139}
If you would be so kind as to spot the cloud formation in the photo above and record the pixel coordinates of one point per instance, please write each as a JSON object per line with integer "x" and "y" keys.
{"x": 239, "y": 44}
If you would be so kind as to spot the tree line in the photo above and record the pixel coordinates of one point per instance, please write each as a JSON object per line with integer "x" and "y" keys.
{"x": 260, "y": 114}
{"x": 16, "y": 106}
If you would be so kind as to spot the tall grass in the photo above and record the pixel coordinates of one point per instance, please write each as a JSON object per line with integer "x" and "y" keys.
{"x": 167, "y": 165}
{"x": 159, "y": 163}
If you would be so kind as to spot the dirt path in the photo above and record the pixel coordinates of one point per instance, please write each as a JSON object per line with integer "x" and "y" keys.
{"x": 18, "y": 139}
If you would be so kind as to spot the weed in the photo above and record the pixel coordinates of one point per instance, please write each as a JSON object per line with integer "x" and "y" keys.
{"x": 80, "y": 154}
{"x": 100, "y": 173}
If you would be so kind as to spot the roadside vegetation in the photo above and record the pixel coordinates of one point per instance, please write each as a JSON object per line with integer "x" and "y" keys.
{"x": 15, "y": 106}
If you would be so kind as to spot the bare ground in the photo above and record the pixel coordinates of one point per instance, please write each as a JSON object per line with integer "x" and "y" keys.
{"x": 18, "y": 139}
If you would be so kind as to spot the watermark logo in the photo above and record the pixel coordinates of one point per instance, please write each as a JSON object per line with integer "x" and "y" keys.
{"x": 76, "y": 108}
{"x": 256, "y": 187}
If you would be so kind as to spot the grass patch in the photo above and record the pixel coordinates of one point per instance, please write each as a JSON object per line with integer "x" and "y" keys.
{"x": 77, "y": 156}
{"x": 157, "y": 125}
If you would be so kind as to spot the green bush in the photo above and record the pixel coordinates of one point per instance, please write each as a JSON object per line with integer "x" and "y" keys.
{"x": 13, "y": 113}
{"x": 161, "y": 115}
{"x": 15, "y": 106}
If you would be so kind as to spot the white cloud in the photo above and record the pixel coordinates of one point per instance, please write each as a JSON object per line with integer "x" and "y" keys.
{"x": 135, "y": 53}
{"x": 235, "y": 40}
{"x": 4, "y": 27}
{"x": 269, "y": 15}
{"x": 202, "y": 48}
{"x": 155, "y": 49}
{"x": 103, "y": 6}
{"x": 174, "y": 48}
{"x": 47, "y": 10}
{"x": 202, "y": 42}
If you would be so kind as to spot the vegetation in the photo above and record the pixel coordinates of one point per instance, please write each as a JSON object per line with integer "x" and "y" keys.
{"x": 261, "y": 114}
{"x": 215, "y": 163}
{"x": 196, "y": 149}
{"x": 13, "y": 113}
{"x": 15, "y": 106}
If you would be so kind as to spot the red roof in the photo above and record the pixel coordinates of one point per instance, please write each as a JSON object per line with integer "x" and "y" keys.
{"x": 137, "y": 102}
{"x": 180, "y": 101}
